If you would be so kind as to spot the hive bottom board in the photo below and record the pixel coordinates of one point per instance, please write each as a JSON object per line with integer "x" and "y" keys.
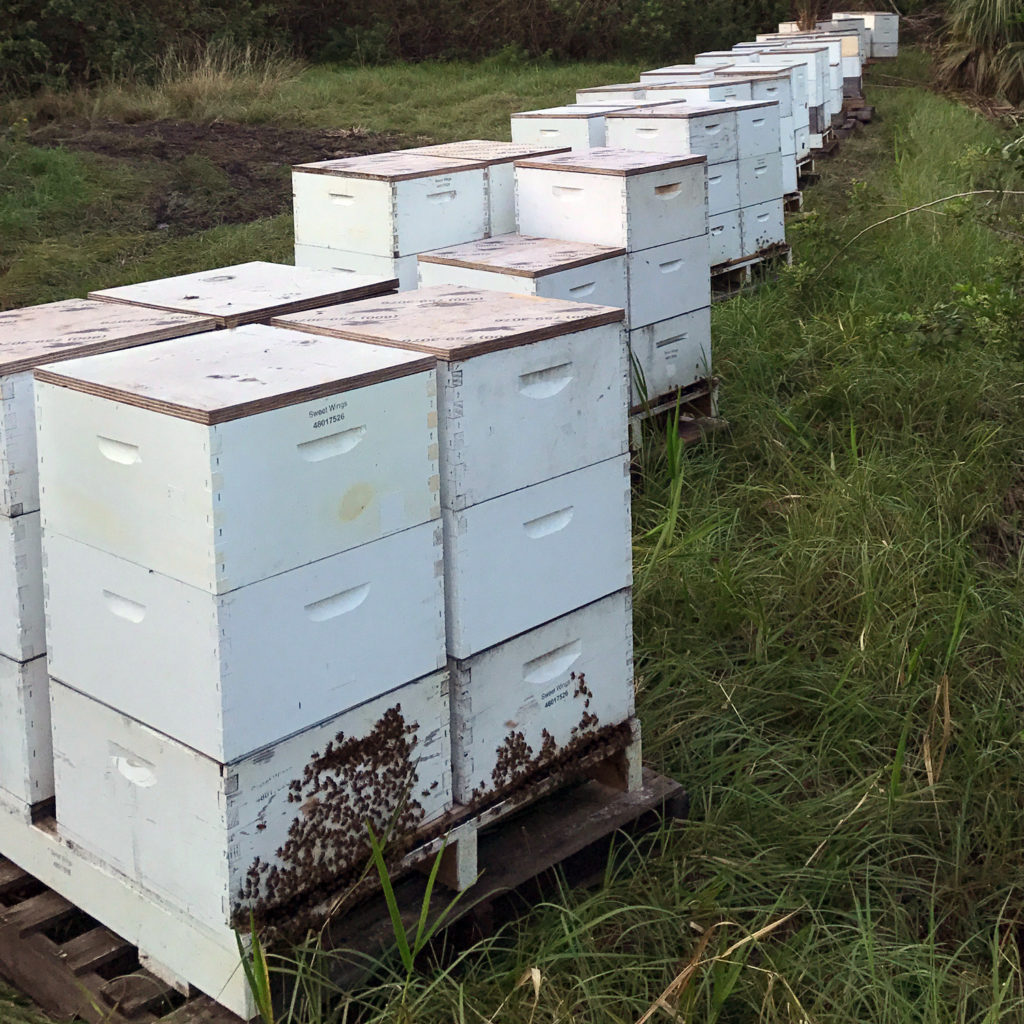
{"x": 79, "y": 973}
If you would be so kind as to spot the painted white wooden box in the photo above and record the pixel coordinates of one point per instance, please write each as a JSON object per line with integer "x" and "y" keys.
{"x": 787, "y": 136}
{"x": 525, "y": 558}
{"x": 624, "y": 93}
{"x": 723, "y": 187}
{"x": 401, "y": 268}
{"x": 757, "y": 128}
{"x": 38, "y": 335}
{"x": 790, "y": 181}
{"x": 858, "y": 20}
{"x": 713, "y": 58}
{"x": 499, "y": 160}
{"x": 668, "y": 355}
{"x": 229, "y": 673}
{"x": 884, "y": 51}
{"x": 528, "y": 388}
{"x": 26, "y": 757}
{"x": 552, "y": 269}
{"x": 762, "y": 225}
{"x": 573, "y": 125}
{"x": 668, "y": 280}
{"x": 699, "y": 128}
{"x": 709, "y": 89}
{"x": 223, "y": 466}
{"x": 610, "y": 196}
{"x": 761, "y": 179}
{"x": 206, "y": 836}
{"x": 765, "y": 85}
{"x": 22, "y": 628}
{"x": 724, "y": 241}
{"x": 391, "y": 204}
{"x": 249, "y": 292}
{"x": 800, "y": 77}
{"x": 817, "y": 60}
{"x": 526, "y": 702}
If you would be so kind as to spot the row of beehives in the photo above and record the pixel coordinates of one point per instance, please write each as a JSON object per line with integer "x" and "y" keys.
{"x": 378, "y": 213}
{"x": 363, "y": 563}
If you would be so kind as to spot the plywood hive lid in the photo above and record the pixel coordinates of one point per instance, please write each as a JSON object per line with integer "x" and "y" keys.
{"x": 620, "y": 162}
{"x": 680, "y": 70}
{"x": 638, "y": 86}
{"x": 689, "y": 82}
{"x": 488, "y": 151}
{"x": 751, "y": 71}
{"x": 249, "y": 292}
{"x": 452, "y": 322}
{"x": 80, "y": 327}
{"x": 568, "y": 110}
{"x": 521, "y": 255}
{"x": 398, "y": 166}
{"x": 683, "y": 109}
{"x": 250, "y": 370}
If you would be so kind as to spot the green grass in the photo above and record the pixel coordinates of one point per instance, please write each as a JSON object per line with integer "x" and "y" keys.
{"x": 830, "y": 629}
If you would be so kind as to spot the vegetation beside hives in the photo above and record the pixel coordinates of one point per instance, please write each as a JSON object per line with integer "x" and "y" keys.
{"x": 983, "y": 49}
{"x": 830, "y": 622}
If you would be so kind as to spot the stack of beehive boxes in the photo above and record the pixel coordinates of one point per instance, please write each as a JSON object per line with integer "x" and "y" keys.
{"x": 375, "y": 214}
{"x": 883, "y": 28}
{"x": 653, "y": 206}
{"x": 28, "y": 338}
{"x": 741, "y": 142}
{"x": 534, "y": 487}
{"x": 233, "y": 534}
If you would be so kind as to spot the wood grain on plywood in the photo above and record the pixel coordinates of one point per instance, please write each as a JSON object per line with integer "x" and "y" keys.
{"x": 399, "y": 166}
{"x": 250, "y": 370}
{"x": 450, "y": 322}
{"x": 621, "y": 162}
{"x": 488, "y": 151}
{"x": 521, "y": 255}
{"x": 249, "y": 292}
{"x": 73, "y": 328}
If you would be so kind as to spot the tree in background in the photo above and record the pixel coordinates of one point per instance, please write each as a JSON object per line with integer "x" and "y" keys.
{"x": 984, "y": 48}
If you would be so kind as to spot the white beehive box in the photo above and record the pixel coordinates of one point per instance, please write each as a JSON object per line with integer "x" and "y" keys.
{"x": 820, "y": 95}
{"x": 540, "y": 696}
{"x": 856, "y": 19}
{"x": 668, "y": 280}
{"x": 205, "y": 836}
{"x": 696, "y": 128}
{"x": 761, "y": 179}
{"x": 762, "y": 226}
{"x": 790, "y": 65}
{"x": 229, "y": 673}
{"x": 723, "y": 187}
{"x": 528, "y": 388}
{"x": 499, "y": 160}
{"x": 525, "y": 558}
{"x": 668, "y": 355}
{"x": 249, "y": 292}
{"x": 26, "y": 757}
{"x": 223, "y": 466}
{"x": 766, "y": 84}
{"x": 713, "y": 58}
{"x": 885, "y": 51}
{"x": 22, "y": 629}
{"x": 788, "y": 136}
{"x": 47, "y": 334}
{"x": 400, "y": 268}
{"x": 391, "y": 204}
{"x": 695, "y": 89}
{"x": 806, "y": 86}
{"x": 790, "y": 177}
{"x": 757, "y": 128}
{"x": 610, "y": 196}
{"x": 573, "y": 125}
{"x": 836, "y": 43}
{"x": 552, "y": 269}
{"x": 624, "y": 93}
{"x": 724, "y": 240}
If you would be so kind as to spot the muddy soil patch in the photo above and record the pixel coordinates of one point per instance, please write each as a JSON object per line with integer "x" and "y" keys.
{"x": 219, "y": 173}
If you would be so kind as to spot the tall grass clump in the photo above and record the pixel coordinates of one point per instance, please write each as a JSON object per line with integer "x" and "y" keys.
{"x": 984, "y": 48}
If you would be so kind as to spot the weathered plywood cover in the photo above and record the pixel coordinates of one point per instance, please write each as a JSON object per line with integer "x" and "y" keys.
{"x": 249, "y": 292}
{"x": 521, "y": 255}
{"x": 451, "y": 322}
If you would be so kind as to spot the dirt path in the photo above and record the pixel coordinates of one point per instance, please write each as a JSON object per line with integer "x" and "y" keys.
{"x": 219, "y": 173}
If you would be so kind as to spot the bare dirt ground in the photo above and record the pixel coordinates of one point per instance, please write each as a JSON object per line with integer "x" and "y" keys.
{"x": 219, "y": 173}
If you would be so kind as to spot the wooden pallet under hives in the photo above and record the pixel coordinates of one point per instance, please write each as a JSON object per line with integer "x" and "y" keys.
{"x": 73, "y": 967}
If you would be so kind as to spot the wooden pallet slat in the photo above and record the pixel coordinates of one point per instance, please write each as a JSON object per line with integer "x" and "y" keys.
{"x": 11, "y": 877}
{"x": 37, "y": 913}
{"x": 92, "y": 950}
